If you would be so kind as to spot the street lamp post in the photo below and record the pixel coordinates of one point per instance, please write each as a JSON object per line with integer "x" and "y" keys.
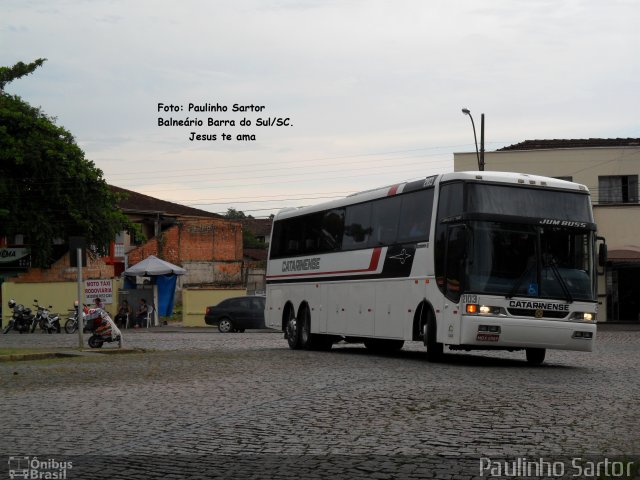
{"x": 480, "y": 154}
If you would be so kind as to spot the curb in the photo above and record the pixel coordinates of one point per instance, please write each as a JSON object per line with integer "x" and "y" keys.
{"x": 78, "y": 353}
{"x": 33, "y": 356}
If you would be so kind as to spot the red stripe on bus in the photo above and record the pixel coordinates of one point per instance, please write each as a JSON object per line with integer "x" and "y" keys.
{"x": 373, "y": 266}
{"x": 393, "y": 190}
{"x": 375, "y": 258}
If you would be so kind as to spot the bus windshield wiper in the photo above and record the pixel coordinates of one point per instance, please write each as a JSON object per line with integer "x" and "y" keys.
{"x": 556, "y": 272}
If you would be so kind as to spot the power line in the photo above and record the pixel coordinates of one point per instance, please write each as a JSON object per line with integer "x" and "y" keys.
{"x": 304, "y": 171}
{"x": 314, "y": 160}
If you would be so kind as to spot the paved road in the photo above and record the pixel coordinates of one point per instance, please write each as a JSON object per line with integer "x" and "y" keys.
{"x": 245, "y": 406}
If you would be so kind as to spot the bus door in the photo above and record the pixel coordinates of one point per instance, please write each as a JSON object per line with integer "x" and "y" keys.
{"x": 454, "y": 274}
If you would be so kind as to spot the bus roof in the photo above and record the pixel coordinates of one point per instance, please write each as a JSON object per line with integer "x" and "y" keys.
{"x": 389, "y": 190}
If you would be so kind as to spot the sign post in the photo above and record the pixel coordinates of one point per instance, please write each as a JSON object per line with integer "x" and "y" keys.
{"x": 80, "y": 299}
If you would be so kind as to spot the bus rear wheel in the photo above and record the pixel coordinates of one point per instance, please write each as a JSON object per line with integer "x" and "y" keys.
{"x": 535, "y": 356}
{"x": 308, "y": 340}
{"x": 293, "y": 331}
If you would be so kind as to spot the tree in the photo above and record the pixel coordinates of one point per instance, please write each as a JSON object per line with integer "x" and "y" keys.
{"x": 48, "y": 189}
{"x": 20, "y": 69}
{"x": 234, "y": 214}
{"x": 248, "y": 239}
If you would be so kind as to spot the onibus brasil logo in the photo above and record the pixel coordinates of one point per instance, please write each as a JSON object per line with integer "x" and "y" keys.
{"x": 34, "y": 468}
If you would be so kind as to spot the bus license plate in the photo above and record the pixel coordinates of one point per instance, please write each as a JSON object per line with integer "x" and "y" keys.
{"x": 488, "y": 337}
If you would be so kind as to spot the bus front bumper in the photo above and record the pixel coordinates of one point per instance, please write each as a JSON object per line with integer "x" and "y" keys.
{"x": 500, "y": 332}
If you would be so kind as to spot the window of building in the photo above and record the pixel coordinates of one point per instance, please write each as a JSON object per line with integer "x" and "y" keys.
{"x": 618, "y": 189}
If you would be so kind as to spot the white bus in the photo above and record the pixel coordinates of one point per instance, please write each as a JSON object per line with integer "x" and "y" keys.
{"x": 468, "y": 260}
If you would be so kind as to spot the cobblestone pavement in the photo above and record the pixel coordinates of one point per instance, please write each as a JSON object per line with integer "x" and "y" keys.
{"x": 245, "y": 406}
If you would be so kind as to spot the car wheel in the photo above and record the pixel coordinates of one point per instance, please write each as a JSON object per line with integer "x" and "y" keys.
{"x": 225, "y": 325}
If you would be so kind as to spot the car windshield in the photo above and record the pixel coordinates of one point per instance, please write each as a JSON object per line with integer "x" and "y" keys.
{"x": 531, "y": 261}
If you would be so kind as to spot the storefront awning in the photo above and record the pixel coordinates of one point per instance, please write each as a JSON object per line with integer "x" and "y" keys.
{"x": 626, "y": 253}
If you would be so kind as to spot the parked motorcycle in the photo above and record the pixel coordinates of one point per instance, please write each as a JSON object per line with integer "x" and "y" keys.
{"x": 48, "y": 322}
{"x": 21, "y": 319}
{"x": 71, "y": 325}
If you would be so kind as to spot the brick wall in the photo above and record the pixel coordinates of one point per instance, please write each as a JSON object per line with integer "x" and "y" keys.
{"x": 209, "y": 249}
{"x": 211, "y": 239}
{"x": 214, "y": 240}
{"x": 61, "y": 271}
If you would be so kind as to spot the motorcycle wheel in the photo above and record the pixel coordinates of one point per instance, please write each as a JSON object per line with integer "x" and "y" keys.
{"x": 95, "y": 342}
{"x": 70, "y": 326}
{"x": 33, "y": 326}
{"x": 8, "y": 327}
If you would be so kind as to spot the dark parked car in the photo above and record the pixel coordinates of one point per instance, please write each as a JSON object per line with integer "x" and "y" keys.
{"x": 236, "y": 314}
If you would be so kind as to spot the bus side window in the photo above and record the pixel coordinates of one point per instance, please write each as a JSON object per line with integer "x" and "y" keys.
{"x": 293, "y": 247}
{"x": 357, "y": 228}
{"x": 384, "y": 221}
{"x": 292, "y": 233}
{"x": 455, "y": 262}
{"x": 332, "y": 229}
{"x": 276, "y": 240}
{"x": 415, "y": 216}
{"x": 450, "y": 203}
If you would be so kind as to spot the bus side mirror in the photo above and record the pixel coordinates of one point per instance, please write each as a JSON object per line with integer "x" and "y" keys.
{"x": 602, "y": 254}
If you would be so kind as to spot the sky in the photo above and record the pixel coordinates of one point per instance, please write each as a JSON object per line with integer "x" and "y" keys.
{"x": 372, "y": 90}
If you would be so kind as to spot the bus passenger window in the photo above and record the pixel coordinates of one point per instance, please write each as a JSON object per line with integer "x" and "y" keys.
{"x": 385, "y": 221}
{"x": 415, "y": 216}
{"x": 455, "y": 261}
{"x": 357, "y": 228}
{"x": 332, "y": 228}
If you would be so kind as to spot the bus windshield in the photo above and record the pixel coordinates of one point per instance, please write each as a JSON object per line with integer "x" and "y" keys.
{"x": 528, "y": 202}
{"x": 531, "y": 261}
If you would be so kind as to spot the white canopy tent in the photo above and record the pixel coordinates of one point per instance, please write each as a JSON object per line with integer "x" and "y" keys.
{"x": 153, "y": 266}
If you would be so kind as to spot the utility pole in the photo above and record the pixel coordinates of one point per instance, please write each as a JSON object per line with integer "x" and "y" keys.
{"x": 482, "y": 142}
{"x": 479, "y": 154}
{"x": 80, "y": 300}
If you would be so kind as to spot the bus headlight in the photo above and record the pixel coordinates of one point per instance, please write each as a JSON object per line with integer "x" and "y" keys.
{"x": 475, "y": 309}
{"x": 584, "y": 316}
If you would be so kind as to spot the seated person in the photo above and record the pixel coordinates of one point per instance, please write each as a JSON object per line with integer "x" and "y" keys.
{"x": 123, "y": 314}
{"x": 141, "y": 314}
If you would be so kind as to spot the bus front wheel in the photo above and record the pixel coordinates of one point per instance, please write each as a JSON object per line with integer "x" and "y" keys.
{"x": 434, "y": 349}
{"x": 535, "y": 356}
